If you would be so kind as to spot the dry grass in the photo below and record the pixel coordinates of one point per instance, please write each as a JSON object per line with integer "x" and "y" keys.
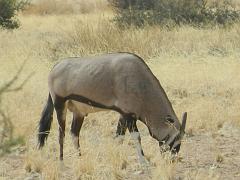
{"x": 198, "y": 68}
{"x": 61, "y": 36}
{"x": 45, "y": 7}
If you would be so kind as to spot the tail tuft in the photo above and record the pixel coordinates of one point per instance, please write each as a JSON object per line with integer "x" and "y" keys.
{"x": 45, "y": 122}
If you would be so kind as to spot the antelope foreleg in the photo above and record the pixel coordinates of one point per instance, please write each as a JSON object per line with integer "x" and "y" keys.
{"x": 135, "y": 135}
{"x": 121, "y": 129}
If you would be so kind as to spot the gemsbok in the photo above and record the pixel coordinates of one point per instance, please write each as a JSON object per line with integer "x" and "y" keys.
{"x": 120, "y": 82}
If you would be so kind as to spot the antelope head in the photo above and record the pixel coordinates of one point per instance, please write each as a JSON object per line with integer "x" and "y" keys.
{"x": 174, "y": 138}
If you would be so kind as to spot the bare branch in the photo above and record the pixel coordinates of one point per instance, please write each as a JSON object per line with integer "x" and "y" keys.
{"x": 7, "y": 127}
{"x": 5, "y": 87}
{"x": 21, "y": 85}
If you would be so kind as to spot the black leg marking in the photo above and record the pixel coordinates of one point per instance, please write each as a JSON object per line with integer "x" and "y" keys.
{"x": 59, "y": 105}
{"x": 121, "y": 127}
{"x": 132, "y": 127}
{"x": 75, "y": 129}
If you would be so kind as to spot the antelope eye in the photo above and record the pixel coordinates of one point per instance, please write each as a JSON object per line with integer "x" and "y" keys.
{"x": 169, "y": 119}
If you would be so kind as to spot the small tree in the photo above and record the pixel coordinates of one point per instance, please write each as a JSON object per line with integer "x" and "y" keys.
{"x": 8, "y": 10}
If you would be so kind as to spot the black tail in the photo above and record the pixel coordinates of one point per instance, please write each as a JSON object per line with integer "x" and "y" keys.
{"x": 45, "y": 122}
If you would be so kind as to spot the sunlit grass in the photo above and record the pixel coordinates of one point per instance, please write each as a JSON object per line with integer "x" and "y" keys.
{"x": 198, "y": 68}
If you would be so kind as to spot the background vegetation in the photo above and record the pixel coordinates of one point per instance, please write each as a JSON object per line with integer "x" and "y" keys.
{"x": 8, "y": 11}
{"x": 175, "y": 12}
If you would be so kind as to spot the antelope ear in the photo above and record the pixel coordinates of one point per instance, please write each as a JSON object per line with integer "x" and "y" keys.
{"x": 183, "y": 126}
{"x": 169, "y": 119}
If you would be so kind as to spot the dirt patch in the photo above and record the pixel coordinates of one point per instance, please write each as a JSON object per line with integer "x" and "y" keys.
{"x": 12, "y": 167}
{"x": 215, "y": 154}
{"x": 203, "y": 155}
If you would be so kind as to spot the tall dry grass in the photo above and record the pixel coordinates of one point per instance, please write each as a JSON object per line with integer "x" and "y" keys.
{"x": 46, "y": 7}
{"x": 198, "y": 68}
{"x": 94, "y": 34}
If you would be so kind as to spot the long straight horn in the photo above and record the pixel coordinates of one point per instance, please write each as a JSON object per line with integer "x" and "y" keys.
{"x": 184, "y": 119}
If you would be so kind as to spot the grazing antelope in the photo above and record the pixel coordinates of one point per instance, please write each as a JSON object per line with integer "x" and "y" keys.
{"x": 120, "y": 82}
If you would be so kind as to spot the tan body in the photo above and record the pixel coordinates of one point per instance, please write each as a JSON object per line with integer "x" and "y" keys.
{"x": 121, "y": 82}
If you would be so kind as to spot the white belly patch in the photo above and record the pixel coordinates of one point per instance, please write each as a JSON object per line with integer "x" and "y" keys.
{"x": 84, "y": 109}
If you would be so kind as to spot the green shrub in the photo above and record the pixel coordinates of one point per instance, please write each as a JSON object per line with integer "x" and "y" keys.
{"x": 174, "y": 12}
{"x": 137, "y": 4}
{"x": 8, "y": 10}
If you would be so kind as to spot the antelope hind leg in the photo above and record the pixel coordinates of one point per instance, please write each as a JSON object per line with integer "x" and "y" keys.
{"x": 75, "y": 130}
{"x": 61, "y": 110}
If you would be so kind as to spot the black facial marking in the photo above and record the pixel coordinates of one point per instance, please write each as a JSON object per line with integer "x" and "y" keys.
{"x": 171, "y": 144}
{"x": 164, "y": 140}
{"x": 169, "y": 119}
{"x": 176, "y": 149}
